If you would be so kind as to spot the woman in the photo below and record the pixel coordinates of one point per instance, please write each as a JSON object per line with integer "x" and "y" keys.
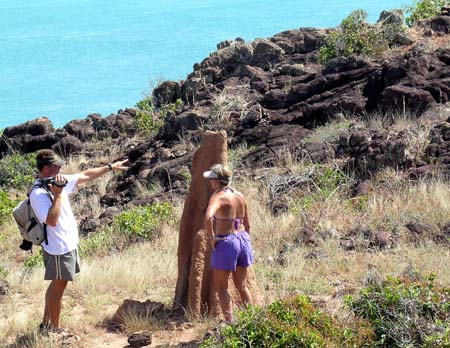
{"x": 228, "y": 226}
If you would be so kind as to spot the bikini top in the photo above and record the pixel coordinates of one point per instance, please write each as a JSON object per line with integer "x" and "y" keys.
{"x": 237, "y": 221}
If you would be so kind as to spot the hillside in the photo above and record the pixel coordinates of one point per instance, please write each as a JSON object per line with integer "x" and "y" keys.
{"x": 344, "y": 160}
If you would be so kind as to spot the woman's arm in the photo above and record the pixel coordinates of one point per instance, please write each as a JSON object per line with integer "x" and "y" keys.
{"x": 213, "y": 206}
{"x": 246, "y": 218}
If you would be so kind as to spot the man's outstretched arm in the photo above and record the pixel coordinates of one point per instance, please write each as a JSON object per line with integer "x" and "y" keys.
{"x": 93, "y": 173}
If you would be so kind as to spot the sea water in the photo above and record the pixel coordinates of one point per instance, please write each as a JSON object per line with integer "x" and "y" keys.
{"x": 66, "y": 59}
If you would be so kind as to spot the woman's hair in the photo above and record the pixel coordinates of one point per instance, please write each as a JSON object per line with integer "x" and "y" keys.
{"x": 224, "y": 173}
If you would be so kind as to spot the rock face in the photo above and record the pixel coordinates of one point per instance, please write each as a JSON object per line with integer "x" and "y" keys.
{"x": 195, "y": 287}
{"x": 40, "y": 134}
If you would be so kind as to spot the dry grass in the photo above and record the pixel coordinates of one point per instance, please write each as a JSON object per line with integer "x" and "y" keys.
{"x": 149, "y": 271}
{"x": 227, "y": 102}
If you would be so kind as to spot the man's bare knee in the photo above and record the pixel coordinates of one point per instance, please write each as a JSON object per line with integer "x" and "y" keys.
{"x": 58, "y": 285}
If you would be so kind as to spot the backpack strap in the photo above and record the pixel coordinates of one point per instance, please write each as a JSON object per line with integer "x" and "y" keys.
{"x": 49, "y": 195}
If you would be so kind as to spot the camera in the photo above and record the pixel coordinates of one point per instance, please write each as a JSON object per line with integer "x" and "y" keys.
{"x": 51, "y": 180}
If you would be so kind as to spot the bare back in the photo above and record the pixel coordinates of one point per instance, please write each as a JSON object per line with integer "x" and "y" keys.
{"x": 231, "y": 213}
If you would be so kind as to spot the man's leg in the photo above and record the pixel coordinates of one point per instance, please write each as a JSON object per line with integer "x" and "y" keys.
{"x": 53, "y": 302}
{"x": 46, "y": 319}
{"x": 221, "y": 282}
{"x": 240, "y": 282}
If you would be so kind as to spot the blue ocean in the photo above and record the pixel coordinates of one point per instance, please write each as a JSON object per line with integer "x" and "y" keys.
{"x": 66, "y": 59}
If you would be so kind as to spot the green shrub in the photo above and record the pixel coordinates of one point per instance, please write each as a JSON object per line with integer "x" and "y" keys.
{"x": 6, "y": 206}
{"x": 423, "y": 9}
{"x": 142, "y": 223}
{"x": 148, "y": 119}
{"x": 131, "y": 226}
{"x": 98, "y": 244}
{"x": 292, "y": 323}
{"x": 355, "y": 36}
{"x": 405, "y": 313}
{"x": 3, "y": 272}
{"x": 17, "y": 171}
{"x": 34, "y": 261}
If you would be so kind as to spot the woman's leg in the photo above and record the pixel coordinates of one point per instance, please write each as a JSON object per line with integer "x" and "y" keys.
{"x": 221, "y": 282}
{"x": 240, "y": 282}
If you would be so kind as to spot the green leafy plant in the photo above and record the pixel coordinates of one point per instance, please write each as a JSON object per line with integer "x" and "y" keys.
{"x": 292, "y": 323}
{"x": 3, "y": 272}
{"x": 355, "y": 36}
{"x": 7, "y": 205}
{"x": 148, "y": 119}
{"x": 405, "y": 312}
{"x": 34, "y": 261}
{"x": 98, "y": 244}
{"x": 131, "y": 226}
{"x": 17, "y": 170}
{"x": 142, "y": 223}
{"x": 423, "y": 9}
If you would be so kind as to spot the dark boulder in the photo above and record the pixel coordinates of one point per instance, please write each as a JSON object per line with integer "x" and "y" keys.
{"x": 414, "y": 99}
{"x": 67, "y": 146}
{"x": 82, "y": 129}
{"x": 38, "y": 126}
{"x": 166, "y": 93}
{"x": 266, "y": 54}
{"x": 441, "y": 24}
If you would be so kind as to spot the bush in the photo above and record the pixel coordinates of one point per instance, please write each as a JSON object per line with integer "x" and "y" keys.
{"x": 423, "y": 9}
{"x": 131, "y": 226}
{"x": 34, "y": 261}
{"x": 149, "y": 120}
{"x": 17, "y": 171}
{"x": 142, "y": 223}
{"x": 3, "y": 272}
{"x": 292, "y": 323}
{"x": 99, "y": 244}
{"x": 355, "y": 36}
{"x": 6, "y": 206}
{"x": 406, "y": 313}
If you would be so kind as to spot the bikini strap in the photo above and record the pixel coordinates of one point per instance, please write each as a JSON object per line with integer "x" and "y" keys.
{"x": 237, "y": 222}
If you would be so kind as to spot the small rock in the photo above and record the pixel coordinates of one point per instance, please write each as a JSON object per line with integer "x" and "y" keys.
{"x": 4, "y": 287}
{"x": 140, "y": 339}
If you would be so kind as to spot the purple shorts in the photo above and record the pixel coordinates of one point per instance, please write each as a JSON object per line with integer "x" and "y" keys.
{"x": 234, "y": 251}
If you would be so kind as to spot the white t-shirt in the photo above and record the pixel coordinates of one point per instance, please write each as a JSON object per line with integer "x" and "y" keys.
{"x": 64, "y": 236}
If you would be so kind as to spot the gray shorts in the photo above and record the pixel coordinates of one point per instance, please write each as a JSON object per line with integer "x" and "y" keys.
{"x": 61, "y": 266}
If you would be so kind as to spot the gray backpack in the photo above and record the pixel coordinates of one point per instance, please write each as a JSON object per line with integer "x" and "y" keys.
{"x": 32, "y": 231}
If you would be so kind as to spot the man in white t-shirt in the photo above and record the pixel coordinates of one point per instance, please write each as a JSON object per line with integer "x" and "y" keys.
{"x": 60, "y": 254}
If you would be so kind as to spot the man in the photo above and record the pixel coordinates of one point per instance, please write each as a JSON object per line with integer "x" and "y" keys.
{"x": 60, "y": 254}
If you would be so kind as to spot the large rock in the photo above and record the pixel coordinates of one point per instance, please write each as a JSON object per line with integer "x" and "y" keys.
{"x": 266, "y": 54}
{"x": 136, "y": 309}
{"x": 411, "y": 98}
{"x": 391, "y": 17}
{"x": 38, "y": 126}
{"x": 167, "y": 92}
{"x": 441, "y": 24}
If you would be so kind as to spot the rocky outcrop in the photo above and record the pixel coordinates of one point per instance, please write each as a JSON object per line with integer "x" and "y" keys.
{"x": 270, "y": 95}
{"x": 40, "y": 133}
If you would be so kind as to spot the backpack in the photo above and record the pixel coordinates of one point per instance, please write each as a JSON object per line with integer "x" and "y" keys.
{"x": 32, "y": 231}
